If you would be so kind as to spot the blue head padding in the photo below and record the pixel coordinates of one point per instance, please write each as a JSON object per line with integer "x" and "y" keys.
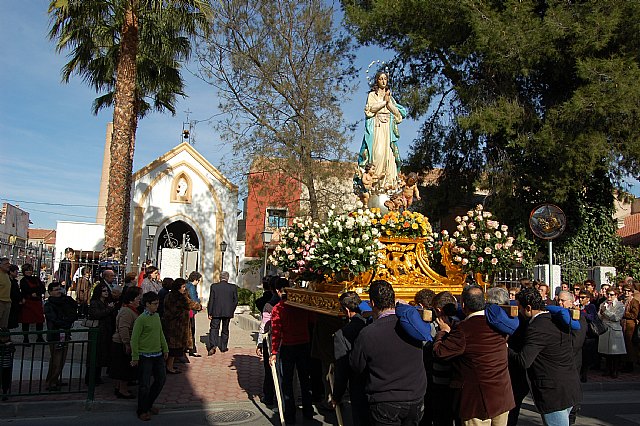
{"x": 498, "y": 319}
{"x": 564, "y": 315}
{"x": 412, "y": 323}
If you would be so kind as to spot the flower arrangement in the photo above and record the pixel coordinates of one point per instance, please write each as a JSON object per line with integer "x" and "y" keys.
{"x": 296, "y": 246}
{"x": 482, "y": 244}
{"x": 346, "y": 242}
{"x": 405, "y": 224}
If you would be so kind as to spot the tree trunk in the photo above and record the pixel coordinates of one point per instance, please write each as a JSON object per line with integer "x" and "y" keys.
{"x": 122, "y": 143}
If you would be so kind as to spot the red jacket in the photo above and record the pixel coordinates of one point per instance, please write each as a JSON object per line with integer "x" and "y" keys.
{"x": 289, "y": 326}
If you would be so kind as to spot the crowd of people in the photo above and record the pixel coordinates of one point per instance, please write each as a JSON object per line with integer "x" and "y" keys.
{"x": 145, "y": 325}
{"x": 471, "y": 363}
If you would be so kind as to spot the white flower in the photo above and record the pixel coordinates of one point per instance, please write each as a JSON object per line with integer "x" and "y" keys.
{"x": 354, "y": 262}
{"x": 324, "y": 262}
{"x": 291, "y": 256}
{"x": 473, "y": 247}
{"x": 457, "y": 259}
{"x": 456, "y": 234}
{"x": 337, "y": 256}
{"x": 479, "y": 207}
{"x": 494, "y": 261}
{"x": 460, "y": 228}
{"x": 487, "y": 250}
{"x": 359, "y": 204}
{"x": 445, "y": 232}
{"x": 465, "y": 218}
{"x": 504, "y": 228}
{"x": 465, "y": 261}
{"x": 340, "y": 244}
{"x": 498, "y": 234}
{"x": 365, "y": 237}
{"x": 474, "y": 236}
{"x": 487, "y": 236}
{"x": 360, "y": 250}
{"x": 471, "y": 227}
{"x": 458, "y": 219}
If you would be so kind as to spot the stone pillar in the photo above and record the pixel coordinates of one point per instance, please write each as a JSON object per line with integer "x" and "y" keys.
{"x": 600, "y": 275}
{"x": 541, "y": 273}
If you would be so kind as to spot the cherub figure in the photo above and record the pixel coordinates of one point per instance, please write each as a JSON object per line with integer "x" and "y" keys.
{"x": 410, "y": 189}
{"x": 369, "y": 178}
{"x": 396, "y": 202}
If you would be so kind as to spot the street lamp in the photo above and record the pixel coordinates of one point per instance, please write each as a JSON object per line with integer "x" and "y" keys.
{"x": 223, "y": 248}
{"x": 266, "y": 239}
{"x": 151, "y": 234}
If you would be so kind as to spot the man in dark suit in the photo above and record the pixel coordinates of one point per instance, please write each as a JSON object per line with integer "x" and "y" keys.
{"x": 547, "y": 355}
{"x": 479, "y": 357}
{"x": 223, "y": 300}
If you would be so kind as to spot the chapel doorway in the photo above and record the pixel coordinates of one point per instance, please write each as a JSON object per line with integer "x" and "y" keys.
{"x": 178, "y": 250}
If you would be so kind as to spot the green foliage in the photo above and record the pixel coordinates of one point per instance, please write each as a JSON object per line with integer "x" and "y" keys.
{"x": 92, "y": 31}
{"x": 244, "y": 296}
{"x": 627, "y": 263}
{"x": 532, "y": 101}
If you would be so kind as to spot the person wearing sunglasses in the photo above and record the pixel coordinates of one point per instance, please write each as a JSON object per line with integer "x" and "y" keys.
{"x": 630, "y": 319}
{"x": 611, "y": 343}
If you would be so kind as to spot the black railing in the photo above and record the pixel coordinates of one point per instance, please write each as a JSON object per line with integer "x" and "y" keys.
{"x": 25, "y": 366}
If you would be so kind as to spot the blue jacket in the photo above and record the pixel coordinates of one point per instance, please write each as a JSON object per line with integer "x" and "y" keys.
{"x": 193, "y": 293}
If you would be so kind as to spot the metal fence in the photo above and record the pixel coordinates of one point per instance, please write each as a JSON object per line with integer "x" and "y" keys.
{"x": 575, "y": 267}
{"x": 36, "y": 255}
{"x": 25, "y": 367}
{"x": 511, "y": 277}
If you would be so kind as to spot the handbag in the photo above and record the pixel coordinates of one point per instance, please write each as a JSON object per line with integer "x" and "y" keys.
{"x": 90, "y": 323}
{"x": 597, "y": 327}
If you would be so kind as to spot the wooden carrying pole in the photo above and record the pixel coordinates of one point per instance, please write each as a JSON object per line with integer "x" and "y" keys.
{"x": 276, "y": 383}
{"x": 331, "y": 380}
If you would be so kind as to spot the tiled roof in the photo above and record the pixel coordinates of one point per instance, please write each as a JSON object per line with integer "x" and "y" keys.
{"x": 630, "y": 232}
{"x": 48, "y": 236}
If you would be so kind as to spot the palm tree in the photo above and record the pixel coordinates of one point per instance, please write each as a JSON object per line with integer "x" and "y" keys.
{"x": 130, "y": 49}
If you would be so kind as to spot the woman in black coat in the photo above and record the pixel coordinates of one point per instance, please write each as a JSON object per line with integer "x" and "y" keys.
{"x": 102, "y": 309}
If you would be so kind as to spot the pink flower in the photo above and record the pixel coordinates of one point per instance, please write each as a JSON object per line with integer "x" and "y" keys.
{"x": 465, "y": 261}
{"x": 494, "y": 261}
{"x": 480, "y": 260}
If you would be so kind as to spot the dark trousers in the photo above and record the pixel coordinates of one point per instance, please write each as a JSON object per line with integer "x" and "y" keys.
{"x": 149, "y": 367}
{"x": 217, "y": 339}
{"x": 268, "y": 389}
{"x": 58, "y": 353}
{"x": 25, "y": 329}
{"x": 438, "y": 406}
{"x": 192, "y": 323}
{"x": 296, "y": 357}
{"x": 397, "y": 413}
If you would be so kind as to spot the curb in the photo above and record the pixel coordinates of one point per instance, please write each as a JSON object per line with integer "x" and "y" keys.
{"x": 247, "y": 322}
{"x": 609, "y": 386}
{"x": 10, "y": 410}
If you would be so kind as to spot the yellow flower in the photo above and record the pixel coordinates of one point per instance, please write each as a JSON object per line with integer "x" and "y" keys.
{"x": 383, "y": 221}
{"x": 388, "y": 232}
{"x": 374, "y": 221}
{"x": 414, "y": 226}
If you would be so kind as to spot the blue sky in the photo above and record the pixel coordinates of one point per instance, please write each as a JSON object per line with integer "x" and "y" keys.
{"x": 52, "y": 144}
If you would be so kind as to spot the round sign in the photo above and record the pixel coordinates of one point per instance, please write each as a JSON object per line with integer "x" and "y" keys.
{"x": 547, "y": 221}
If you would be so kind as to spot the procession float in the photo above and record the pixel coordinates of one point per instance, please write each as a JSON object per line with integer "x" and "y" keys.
{"x": 381, "y": 238}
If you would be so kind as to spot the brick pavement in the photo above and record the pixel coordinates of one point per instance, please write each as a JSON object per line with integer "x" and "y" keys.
{"x": 233, "y": 376}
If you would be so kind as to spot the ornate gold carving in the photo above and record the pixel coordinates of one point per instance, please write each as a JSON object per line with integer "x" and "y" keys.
{"x": 404, "y": 263}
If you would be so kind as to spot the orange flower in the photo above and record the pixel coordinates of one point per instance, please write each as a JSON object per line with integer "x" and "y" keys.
{"x": 406, "y": 225}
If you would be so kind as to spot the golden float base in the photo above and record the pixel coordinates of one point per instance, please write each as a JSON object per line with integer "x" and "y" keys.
{"x": 404, "y": 264}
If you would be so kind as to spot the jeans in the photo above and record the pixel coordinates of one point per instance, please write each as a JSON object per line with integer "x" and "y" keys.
{"x": 402, "y": 413}
{"x": 217, "y": 339}
{"x": 556, "y": 418}
{"x": 296, "y": 357}
{"x": 148, "y": 392}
